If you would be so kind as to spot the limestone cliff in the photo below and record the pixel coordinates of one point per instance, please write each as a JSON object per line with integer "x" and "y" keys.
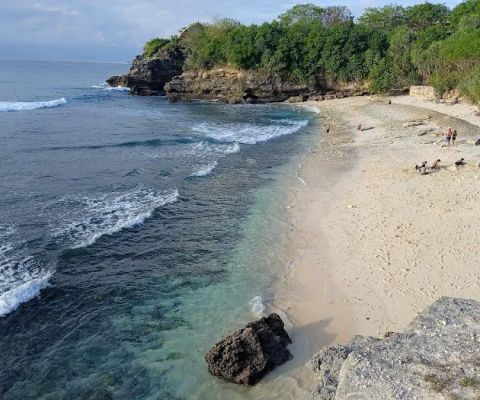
{"x": 437, "y": 357}
{"x": 231, "y": 86}
{"x": 148, "y": 76}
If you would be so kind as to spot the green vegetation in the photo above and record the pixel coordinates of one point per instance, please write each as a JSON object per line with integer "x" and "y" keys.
{"x": 469, "y": 382}
{"x": 387, "y": 48}
{"x": 152, "y": 47}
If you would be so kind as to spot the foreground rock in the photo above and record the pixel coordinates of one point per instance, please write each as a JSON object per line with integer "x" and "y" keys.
{"x": 231, "y": 86}
{"x": 148, "y": 76}
{"x": 247, "y": 355}
{"x": 437, "y": 357}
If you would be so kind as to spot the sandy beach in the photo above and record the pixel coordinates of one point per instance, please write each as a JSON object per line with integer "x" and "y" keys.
{"x": 375, "y": 242}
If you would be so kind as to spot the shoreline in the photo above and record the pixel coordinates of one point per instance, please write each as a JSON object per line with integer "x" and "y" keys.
{"x": 374, "y": 241}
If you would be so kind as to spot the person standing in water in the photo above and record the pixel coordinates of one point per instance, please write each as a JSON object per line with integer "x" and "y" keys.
{"x": 454, "y": 137}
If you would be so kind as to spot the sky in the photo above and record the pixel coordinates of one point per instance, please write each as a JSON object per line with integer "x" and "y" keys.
{"x": 115, "y": 30}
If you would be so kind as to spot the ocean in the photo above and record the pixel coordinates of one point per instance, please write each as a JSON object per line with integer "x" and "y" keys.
{"x": 134, "y": 233}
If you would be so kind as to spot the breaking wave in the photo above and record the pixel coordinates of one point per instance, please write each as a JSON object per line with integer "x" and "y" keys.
{"x": 205, "y": 170}
{"x": 248, "y": 133}
{"x": 30, "y": 105}
{"x": 21, "y": 277}
{"x": 94, "y": 217}
{"x": 106, "y": 86}
{"x": 256, "y": 306}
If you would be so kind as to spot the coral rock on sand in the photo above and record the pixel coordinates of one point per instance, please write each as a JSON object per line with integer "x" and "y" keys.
{"x": 247, "y": 355}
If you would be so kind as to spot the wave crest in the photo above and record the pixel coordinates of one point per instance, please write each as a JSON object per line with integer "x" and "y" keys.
{"x": 106, "y": 86}
{"x": 248, "y": 133}
{"x": 30, "y": 105}
{"x": 11, "y": 299}
{"x": 94, "y": 217}
{"x": 205, "y": 170}
{"x": 21, "y": 277}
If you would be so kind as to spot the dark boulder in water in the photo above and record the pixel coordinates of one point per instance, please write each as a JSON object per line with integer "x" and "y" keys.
{"x": 247, "y": 355}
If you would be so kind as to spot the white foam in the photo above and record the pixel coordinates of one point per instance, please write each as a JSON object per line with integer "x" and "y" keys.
{"x": 95, "y": 217}
{"x": 205, "y": 170}
{"x": 248, "y": 133}
{"x": 256, "y": 306}
{"x": 30, "y": 105}
{"x": 313, "y": 109}
{"x": 207, "y": 149}
{"x": 234, "y": 148}
{"x": 11, "y": 299}
{"x": 21, "y": 277}
{"x": 106, "y": 86}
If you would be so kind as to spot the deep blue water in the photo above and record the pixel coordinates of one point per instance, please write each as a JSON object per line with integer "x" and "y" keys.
{"x": 133, "y": 232}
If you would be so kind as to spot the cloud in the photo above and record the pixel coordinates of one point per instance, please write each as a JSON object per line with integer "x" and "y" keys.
{"x": 127, "y": 24}
{"x": 61, "y": 9}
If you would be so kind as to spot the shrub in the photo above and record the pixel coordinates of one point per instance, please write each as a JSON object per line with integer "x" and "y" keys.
{"x": 153, "y": 46}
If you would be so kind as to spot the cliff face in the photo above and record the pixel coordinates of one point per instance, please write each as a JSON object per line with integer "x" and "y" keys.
{"x": 231, "y": 86}
{"x": 147, "y": 77}
{"x": 437, "y": 357}
{"x": 163, "y": 74}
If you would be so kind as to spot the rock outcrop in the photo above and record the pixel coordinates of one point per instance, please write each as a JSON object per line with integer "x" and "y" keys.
{"x": 247, "y": 355}
{"x": 148, "y": 76}
{"x": 437, "y": 357}
{"x": 231, "y": 86}
{"x": 424, "y": 92}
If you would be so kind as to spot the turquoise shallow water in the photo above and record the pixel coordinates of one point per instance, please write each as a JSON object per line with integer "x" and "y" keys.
{"x": 134, "y": 233}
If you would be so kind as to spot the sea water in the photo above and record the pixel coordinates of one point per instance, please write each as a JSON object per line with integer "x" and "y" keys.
{"x": 133, "y": 233}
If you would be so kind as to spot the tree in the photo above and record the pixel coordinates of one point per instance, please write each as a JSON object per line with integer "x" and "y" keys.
{"x": 302, "y": 13}
{"x": 468, "y": 8}
{"x": 385, "y": 19}
{"x": 306, "y": 13}
{"x": 422, "y": 16}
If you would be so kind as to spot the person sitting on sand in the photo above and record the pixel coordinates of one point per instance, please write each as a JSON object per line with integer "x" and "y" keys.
{"x": 422, "y": 168}
{"x": 460, "y": 162}
{"x": 448, "y": 136}
{"x": 454, "y": 137}
{"x": 436, "y": 165}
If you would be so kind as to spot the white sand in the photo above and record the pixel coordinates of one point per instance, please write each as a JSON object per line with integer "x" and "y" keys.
{"x": 374, "y": 241}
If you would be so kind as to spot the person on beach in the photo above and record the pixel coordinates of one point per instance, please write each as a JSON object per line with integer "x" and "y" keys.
{"x": 422, "y": 168}
{"x": 436, "y": 165}
{"x": 359, "y": 127}
{"x": 448, "y": 136}
{"x": 454, "y": 137}
{"x": 460, "y": 162}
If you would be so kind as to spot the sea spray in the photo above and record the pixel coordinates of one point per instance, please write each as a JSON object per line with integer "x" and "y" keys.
{"x": 257, "y": 306}
{"x": 106, "y": 86}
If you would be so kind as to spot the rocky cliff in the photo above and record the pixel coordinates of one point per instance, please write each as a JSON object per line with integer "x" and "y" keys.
{"x": 148, "y": 76}
{"x": 231, "y": 86}
{"x": 437, "y": 357}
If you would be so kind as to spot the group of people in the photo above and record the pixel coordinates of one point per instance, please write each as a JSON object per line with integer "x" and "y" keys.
{"x": 451, "y": 136}
{"x": 423, "y": 168}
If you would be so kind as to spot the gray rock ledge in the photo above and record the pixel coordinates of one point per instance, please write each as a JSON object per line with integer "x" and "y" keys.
{"x": 437, "y": 357}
